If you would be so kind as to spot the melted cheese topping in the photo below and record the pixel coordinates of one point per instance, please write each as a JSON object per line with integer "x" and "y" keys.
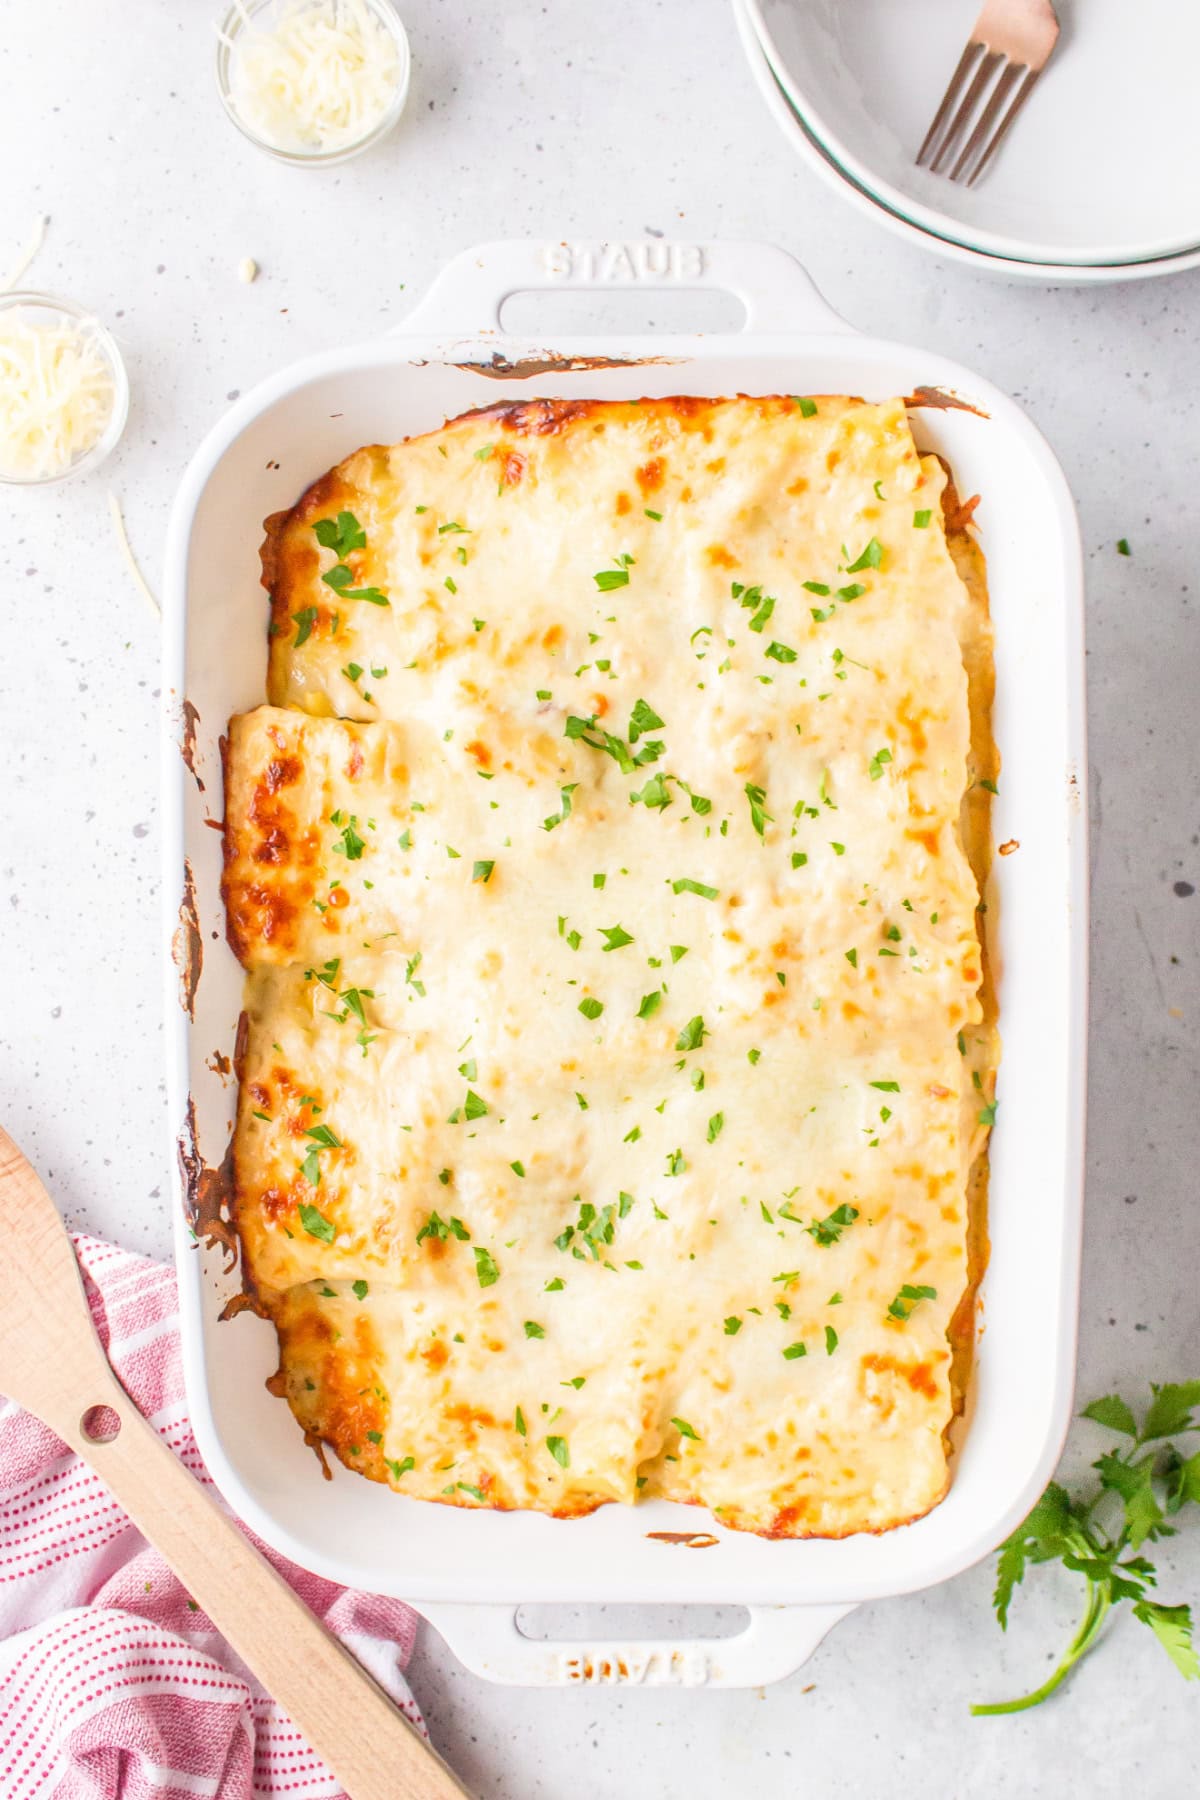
{"x": 321, "y": 78}
{"x": 615, "y": 1064}
{"x": 57, "y": 390}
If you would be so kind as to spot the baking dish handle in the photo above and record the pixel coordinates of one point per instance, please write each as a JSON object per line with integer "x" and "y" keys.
{"x": 777, "y": 1641}
{"x": 465, "y": 299}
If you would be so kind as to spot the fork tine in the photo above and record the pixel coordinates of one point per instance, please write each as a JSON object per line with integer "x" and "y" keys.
{"x": 948, "y": 99}
{"x": 1022, "y": 95}
{"x": 987, "y": 118}
{"x": 962, "y": 117}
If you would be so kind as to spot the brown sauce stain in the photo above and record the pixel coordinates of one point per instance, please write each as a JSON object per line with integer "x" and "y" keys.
{"x": 187, "y": 948}
{"x": 187, "y": 743}
{"x": 691, "y": 1540}
{"x": 545, "y": 362}
{"x": 941, "y": 400}
{"x": 207, "y": 1192}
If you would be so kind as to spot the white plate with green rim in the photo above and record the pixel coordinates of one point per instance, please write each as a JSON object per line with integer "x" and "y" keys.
{"x": 807, "y": 145}
{"x": 1099, "y": 171}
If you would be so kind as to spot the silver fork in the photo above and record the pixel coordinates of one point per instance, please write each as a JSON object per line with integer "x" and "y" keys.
{"x": 1011, "y": 40}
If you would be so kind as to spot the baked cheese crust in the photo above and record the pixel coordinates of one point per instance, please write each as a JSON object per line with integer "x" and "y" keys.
{"x": 615, "y": 1065}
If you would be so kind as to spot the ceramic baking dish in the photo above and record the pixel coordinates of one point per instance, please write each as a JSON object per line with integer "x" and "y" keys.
{"x": 467, "y": 1570}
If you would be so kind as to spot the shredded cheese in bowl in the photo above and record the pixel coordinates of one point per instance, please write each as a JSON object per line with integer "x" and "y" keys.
{"x": 313, "y": 80}
{"x": 63, "y": 391}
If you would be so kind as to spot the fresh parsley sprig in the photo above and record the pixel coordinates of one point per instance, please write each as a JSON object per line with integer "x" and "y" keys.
{"x": 1144, "y": 1481}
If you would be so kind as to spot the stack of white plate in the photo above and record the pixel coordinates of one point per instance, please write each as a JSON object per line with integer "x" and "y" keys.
{"x": 1099, "y": 179}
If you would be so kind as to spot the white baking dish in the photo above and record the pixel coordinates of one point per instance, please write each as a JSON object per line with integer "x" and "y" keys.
{"x": 451, "y": 1562}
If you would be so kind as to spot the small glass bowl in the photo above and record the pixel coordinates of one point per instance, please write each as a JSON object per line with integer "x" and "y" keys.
{"x": 246, "y": 12}
{"x": 50, "y": 308}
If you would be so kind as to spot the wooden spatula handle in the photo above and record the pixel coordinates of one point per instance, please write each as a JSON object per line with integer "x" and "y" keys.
{"x": 346, "y": 1717}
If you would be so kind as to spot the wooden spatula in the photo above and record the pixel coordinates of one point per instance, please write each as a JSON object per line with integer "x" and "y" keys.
{"x": 52, "y": 1364}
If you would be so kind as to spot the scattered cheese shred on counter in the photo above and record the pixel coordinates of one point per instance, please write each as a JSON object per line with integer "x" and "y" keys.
{"x": 319, "y": 78}
{"x": 56, "y": 395}
{"x": 127, "y": 556}
{"x": 37, "y": 238}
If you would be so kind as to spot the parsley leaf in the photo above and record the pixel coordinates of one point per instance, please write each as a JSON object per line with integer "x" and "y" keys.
{"x": 485, "y": 1267}
{"x": 871, "y": 558}
{"x": 305, "y": 619}
{"x": 643, "y": 719}
{"x": 1147, "y": 1479}
{"x": 316, "y": 1224}
{"x": 341, "y": 535}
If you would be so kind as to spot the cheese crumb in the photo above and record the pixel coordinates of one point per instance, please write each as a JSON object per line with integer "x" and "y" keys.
{"x": 317, "y": 78}
{"x": 247, "y": 269}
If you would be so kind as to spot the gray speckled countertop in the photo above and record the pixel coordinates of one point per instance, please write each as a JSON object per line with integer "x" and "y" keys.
{"x": 595, "y": 122}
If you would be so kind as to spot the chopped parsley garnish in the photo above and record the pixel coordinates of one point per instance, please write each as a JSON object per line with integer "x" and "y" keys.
{"x": 442, "y": 1229}
{"x": 831, "y": 1340}
{"x": 828, "y": 1230}
{"x": 485, "y": 1267}
{"x": 643, "y": 719}
{"x": 557, "y": 1446}
{"x": 676, "y": 1163}
{"x": 341, "y": 535}
{"x": 654, "y": 793}
{"x": 316, "y": 1224}
{"x": 759, "y": 816}
{"x": 987, "y": 1114}
{"x": 678, "y": 952}
{"x": 656, "y": 516}
{"x": 870, "y": 558}
{"x": 615, "y": 936}
{"x": 305, "y": 619}
{"x": 793, "y": 1351}
{"x": 617, "y": 577}
{"x": 732, "y": 1327}
{"x": 348, "y": 843}
{"x": 715, "y": 1126}
{"x": 360, "y": 1293}
{"x": 482, "y": 871}
{"x": 808, "y": 408}
{"x": 875, "y": 766}
{"x": 922, "y": 518}
{"x": 593, "y": 1229}
{"x": 685, "y": 1430}
{"x": 578, "y": 729}
{"x": 533, "y": 1329}
{"x": 854, "y": 591}
{"x": 339, "y": 579}
{"x": 519, "y": 1422}
{"x": 909, "y": 1297}
{"x": 780, "y": 653}
{"x": 885, "y": 1087}
{"x": 685, "y": 885}
{"x": 650, "y": 1004}
{"x": 752, "y": 1056}
{"x": 852, "y": 958}
{"x": 591, "y": 1009}
{"x": 1123, "y": 547}
{"x": 564, "y": 811}
{"x": 693, "y": 1034}
{"x": 399, "y": 1468}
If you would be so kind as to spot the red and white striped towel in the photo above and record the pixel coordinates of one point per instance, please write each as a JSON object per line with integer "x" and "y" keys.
{"x": 113, "y": 1685}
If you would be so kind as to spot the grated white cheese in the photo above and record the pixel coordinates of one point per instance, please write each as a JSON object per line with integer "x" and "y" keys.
{"x": 56, "y": 394}
{"x": 319, "y": 77}
{"x": 247, "y": 269}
